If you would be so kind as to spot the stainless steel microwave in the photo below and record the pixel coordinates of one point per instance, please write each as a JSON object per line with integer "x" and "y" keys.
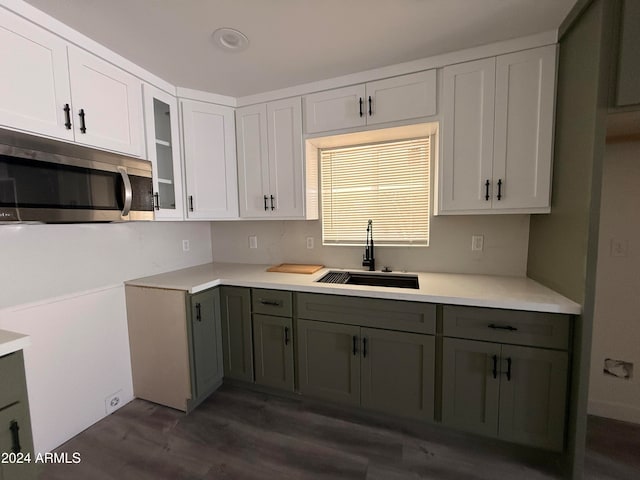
{"x": 47, "y": 181}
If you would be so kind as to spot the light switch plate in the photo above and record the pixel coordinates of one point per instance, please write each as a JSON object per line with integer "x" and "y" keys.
{"x": 253, "y": 241}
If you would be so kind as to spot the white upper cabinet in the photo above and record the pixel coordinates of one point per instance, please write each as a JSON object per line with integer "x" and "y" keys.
{"x": 335, "y": 109}
{"x": 34, "y": 85}
{"x": 498, "y": 134}
{"x": 163, "y": 148}
{"x": 208, "y": 133}
{"x": 468, "y": 116}
{"x": 383, "y": 101}
{"x": 107, "y": 104}
{"x": 270, "y": 161}
{"x": 523, "y": 141}
{"x": 47, "y": 86}
{"x": 401, "y": 98}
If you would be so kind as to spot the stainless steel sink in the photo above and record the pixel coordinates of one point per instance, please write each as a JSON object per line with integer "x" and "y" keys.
{"x": 372, "y": 279}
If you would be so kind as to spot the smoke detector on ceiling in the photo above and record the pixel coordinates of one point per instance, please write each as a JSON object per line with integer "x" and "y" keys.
{"x": 230, "y": 39}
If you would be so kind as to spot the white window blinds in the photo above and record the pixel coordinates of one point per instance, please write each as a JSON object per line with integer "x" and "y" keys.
{"x": 386, "y": 182}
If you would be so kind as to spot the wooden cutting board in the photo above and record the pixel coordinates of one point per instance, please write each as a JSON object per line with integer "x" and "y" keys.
{"x": 295, "y": 268}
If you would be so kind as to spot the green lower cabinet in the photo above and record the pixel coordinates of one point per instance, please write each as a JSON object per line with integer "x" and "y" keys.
{"x": 329, "y": 361}
{"x": 273, "y": 351}
{"x": 397, "y": 372}
{"x": 236, "y": 333}
{"x": 382, "y": 370}
{"x": 15, "y": 422}
{"x": 470, "y": 392}
{"x": 514, "y": 393}
{"x": 207, "y": 367}
{"x": 533, "y": 398}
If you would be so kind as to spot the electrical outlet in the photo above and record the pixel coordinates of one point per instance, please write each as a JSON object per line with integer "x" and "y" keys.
{"x": 185, "y": 245}
{"x": 310, "y": 242}
{"x": 477, "y": 243}
{"x": 253, "y": 241}
{"x": 113, "y": 402}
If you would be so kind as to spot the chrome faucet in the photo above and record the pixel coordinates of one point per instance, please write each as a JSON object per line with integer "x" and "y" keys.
{"x": 367, "y": 259}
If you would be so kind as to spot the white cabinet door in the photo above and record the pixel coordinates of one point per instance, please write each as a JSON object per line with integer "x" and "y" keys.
{"x": 467, "y": 157}
{"x": 523, "y": 144}
{"x": 163, "y": 149}
{"x": 34, "y": 84}
{"x": 253, "y": 161}
{"x": 208, "y": 133}
{"x": 401, "y": 98}
{"x": 110, "y": 100}
{"x": 286, "y": 172}
{"x": 335, "y": 109}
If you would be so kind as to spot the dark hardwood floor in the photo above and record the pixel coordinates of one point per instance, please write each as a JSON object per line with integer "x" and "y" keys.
{"x": 240, "y": 434}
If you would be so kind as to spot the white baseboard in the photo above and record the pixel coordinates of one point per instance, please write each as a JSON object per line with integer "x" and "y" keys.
{"x": 617, "y": 411}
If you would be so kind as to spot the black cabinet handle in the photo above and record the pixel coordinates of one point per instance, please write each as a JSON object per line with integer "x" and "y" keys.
{"x": 198, "y": 312}
{"x": 486, "y": 190}
{"x": 499, "y": 188}
{"x": 509, "y": 369}
{"x": 355, "y": 348}
{"x": 67, "y": 116}
{"x": 495, "y": 366}
{"x": 156, "y": 201}
{"x": 191, "y": 203}
{"x": 370, "y": 111}
{"x": 360, "y": 102}
{"x": 15, "y": 437}
{"x": 83, "y": 124}
{"x": 265, "y": 203}
{"x": 286, "y": 335}
{"x": 364, "y": 347}
{"x": 502, "y": 327}
{"x": 272, "y": 199}
{"x": 272, "y": 303}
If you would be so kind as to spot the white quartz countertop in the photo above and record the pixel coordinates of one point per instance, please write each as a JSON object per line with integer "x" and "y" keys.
{"x": 516, "y": 293}
{"x": 12, "y": 342}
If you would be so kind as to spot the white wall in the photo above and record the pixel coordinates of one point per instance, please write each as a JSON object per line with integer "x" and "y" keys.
{"x": 616, "y": 332}
{"x": 62, "y": 285}
{"x": 505, "y": 245}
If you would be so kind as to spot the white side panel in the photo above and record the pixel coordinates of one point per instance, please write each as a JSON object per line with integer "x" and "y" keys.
{"x": 468, "y": 109}
{"x": 210, "y": 161}
{"x": 286, "y": 170}
{"x": 525, "y": 87}
{"x": 335, "y": 109}
{"x": 402, "y": 98}
{"x": 79, "y": 355}
{"x": 112, "y": 103}
{"x": 34, "y": 85}
{"x": 253, "y": 161}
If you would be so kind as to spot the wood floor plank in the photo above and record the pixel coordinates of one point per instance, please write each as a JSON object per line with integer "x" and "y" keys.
{"x": 246, "y": 435}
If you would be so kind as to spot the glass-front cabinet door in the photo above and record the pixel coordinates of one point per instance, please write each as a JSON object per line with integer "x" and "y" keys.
{"x": 161, "y": 124}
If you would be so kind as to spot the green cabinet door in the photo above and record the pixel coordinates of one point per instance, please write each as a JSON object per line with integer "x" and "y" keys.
{"x": 329, "y": 361}
{"x": 533, "y": 396}
{"x": 398, "y": 372}
{"x": 236, "y": 333}
{"x": 206, "y": 342}
{"x": 15, "y": 436}
{"x": 470, "y": 390}
{"x": 273, "y": 344}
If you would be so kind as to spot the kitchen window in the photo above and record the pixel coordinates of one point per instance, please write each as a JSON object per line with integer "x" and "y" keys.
{"x": 386, "y": 182}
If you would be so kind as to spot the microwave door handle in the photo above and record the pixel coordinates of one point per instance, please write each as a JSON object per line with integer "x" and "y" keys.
{"x": 128, "y": 193}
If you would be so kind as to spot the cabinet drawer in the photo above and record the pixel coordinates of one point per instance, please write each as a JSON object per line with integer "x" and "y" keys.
{"x": 537, "y": 329}
{"x": 271, "y": 302}
{"x": 368, "y": 312}
{"x": 12, "y": 379}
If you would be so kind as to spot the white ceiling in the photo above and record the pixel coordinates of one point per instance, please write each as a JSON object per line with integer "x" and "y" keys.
{"x": 295, "y": 41}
